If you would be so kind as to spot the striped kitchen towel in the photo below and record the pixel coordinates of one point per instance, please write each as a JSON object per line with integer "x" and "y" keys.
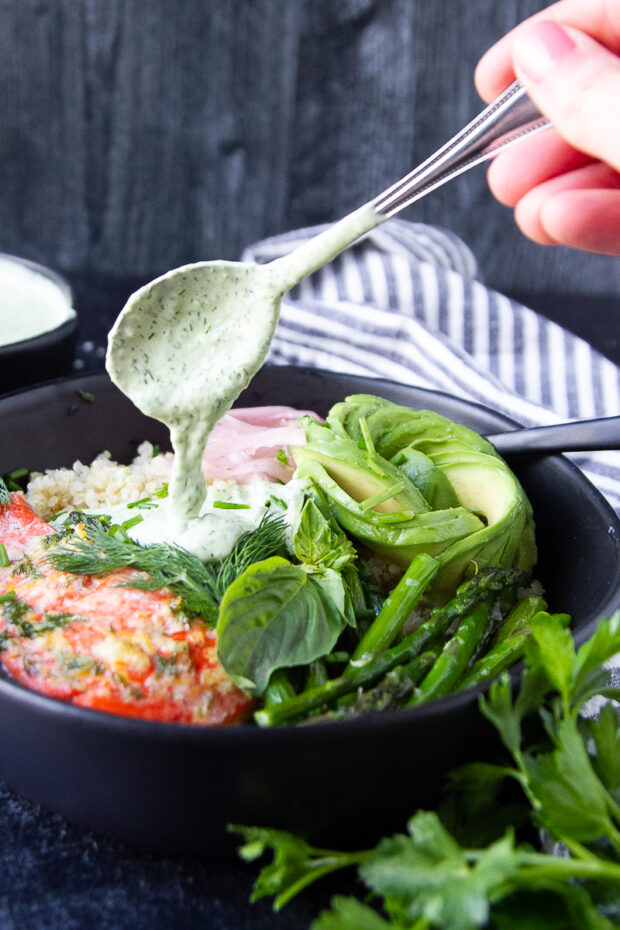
{"x": 405, "y": 304}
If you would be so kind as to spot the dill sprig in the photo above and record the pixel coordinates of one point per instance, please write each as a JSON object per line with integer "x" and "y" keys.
{"x": 253, "y": 546}
{"x": 199, "y": 586}
{"x": 166, "y": 566}
{"x": 5, "y": 496}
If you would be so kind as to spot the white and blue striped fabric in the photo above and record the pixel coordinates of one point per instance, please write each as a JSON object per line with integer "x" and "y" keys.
{"x": 405, "y": 304}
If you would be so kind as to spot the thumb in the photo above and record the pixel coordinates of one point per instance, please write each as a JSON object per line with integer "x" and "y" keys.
{"x": 575, "y": 82}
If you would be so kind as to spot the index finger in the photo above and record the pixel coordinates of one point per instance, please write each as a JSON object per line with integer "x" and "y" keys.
{"x": 598, "y": 18}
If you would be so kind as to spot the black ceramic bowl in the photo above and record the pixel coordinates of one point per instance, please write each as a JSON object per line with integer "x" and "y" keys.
{"x": 174, "y": 787}
{"x": 50, "y": 355}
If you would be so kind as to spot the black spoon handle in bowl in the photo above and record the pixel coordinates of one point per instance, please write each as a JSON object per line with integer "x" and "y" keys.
{"x": 576, "y": 436}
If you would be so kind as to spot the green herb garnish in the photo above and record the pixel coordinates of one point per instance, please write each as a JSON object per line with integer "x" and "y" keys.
{"x": 15, "y": 613}
{"x": 199, "y": 586}
{"x": 382, "y": 496}
{"x": 436, "y": 877}
{"x": 14, "y": 480}
{"x": 266, "y": 540}
{"x": 230, "y": 505}
{"x": 86, "y": 396}
{"x": 164, "y": 664}
{"x": 278, "y": 500}
{"x": 26, "y": 566}
{"x": 145, "y": 503}
{"x": 4, "y": 559}
{"x": 282, "y": 456}
{"x": 5, "y": 496}
{"x": 167, "y": 566}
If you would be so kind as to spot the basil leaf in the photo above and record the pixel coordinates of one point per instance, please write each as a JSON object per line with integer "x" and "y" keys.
{"x": 318, "y": 543}
{"x": 274, "y": 616}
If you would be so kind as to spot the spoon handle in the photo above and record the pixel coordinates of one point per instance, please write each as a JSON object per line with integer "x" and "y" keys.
{"x": 577, "y": 436}
{"x": 509, "y": 118}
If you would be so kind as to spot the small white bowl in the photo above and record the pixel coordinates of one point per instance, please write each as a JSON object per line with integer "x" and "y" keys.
{"x": 38, "y": 325}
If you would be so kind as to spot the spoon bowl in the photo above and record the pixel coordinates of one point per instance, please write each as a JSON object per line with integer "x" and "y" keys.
{"x": 189, "y": 311}
{"x": 185, "y": 346}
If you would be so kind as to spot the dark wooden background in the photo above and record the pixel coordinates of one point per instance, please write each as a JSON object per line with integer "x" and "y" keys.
{"x": 136, "y": 135}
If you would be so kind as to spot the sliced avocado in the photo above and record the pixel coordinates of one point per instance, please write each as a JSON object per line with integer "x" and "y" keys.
{"x": 479, "y": 514}
{"x": 427, "y": 477}
{"x": 393, "y": 427}
{"x": 365, "y": 476}
{"x": 486, "y": 486}
{"x": 398, "y": 535}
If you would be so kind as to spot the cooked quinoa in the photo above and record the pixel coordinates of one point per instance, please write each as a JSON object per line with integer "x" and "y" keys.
{"x": 103, "y": 482}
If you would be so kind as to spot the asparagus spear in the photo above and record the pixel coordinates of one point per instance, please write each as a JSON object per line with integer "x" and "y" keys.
{"x": 397, "y": 607}
{"x": 365, "y": 674}
{"x": 371, "y": 669}
{"x": 454, "y": 657}
{"x": 395, "y": 688}
{"x": 506, "y": 652}
{"x": 521, "y": 616}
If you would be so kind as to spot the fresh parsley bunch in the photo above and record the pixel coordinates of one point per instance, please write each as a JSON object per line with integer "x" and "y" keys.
{"x": 426, "y": 879}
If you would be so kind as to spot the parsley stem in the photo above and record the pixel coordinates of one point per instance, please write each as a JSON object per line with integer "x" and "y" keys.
{"x": 541, "y": 865}
{"x": 320, "y": 867}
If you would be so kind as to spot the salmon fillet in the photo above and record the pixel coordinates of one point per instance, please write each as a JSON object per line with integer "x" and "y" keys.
{"x": 89, "y": 640}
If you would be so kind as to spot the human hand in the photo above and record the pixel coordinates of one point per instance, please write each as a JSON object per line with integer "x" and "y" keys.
{"x": 564, "y": 184}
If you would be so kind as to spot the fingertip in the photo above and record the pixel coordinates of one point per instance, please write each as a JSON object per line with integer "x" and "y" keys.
{"x": 499, "y": 182}
{"x": 494, "y": 73}
{"x": 527, "y": 217}
{"x": 481, "y": 79}
{"x": 584, "y": 219}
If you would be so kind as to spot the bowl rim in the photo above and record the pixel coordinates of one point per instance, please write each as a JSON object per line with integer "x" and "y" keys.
{"x": 175, "y": 733}
{"x": 65, "y": 328}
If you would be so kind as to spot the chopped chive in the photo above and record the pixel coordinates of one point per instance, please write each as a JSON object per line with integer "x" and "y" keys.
{"x": 382, "y": 496}
{"x": 86, "y": 396}
{"x": 400, "y": 516}
{"x": 278, "y": 500}
{"x": 117, "y": 530}
{"x": 366, "y": 434}
{"x": 161, "y": 492}
{"x": 282, "y": 456}
{"x": 144, "y": 504}
{"x": 14, "y": 479}
{"x": 4, "y": 559}
{"x": 374, "y": 466}
{"x": 127, "y": 525}
{"x": 17, "y": 473}
{"x": 229, "y": 505}
{"x": 155, "y": 451}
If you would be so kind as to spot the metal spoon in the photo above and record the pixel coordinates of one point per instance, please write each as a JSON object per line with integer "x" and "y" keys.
{"x": 576, "y": 436}
{"x": 233, "y": 309}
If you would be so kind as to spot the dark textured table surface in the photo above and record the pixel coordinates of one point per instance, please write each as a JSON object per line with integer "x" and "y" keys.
{"x": 55, "y": 876}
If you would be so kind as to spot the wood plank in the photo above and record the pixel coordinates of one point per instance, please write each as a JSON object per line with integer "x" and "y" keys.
{"x": 135, "y": 136}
